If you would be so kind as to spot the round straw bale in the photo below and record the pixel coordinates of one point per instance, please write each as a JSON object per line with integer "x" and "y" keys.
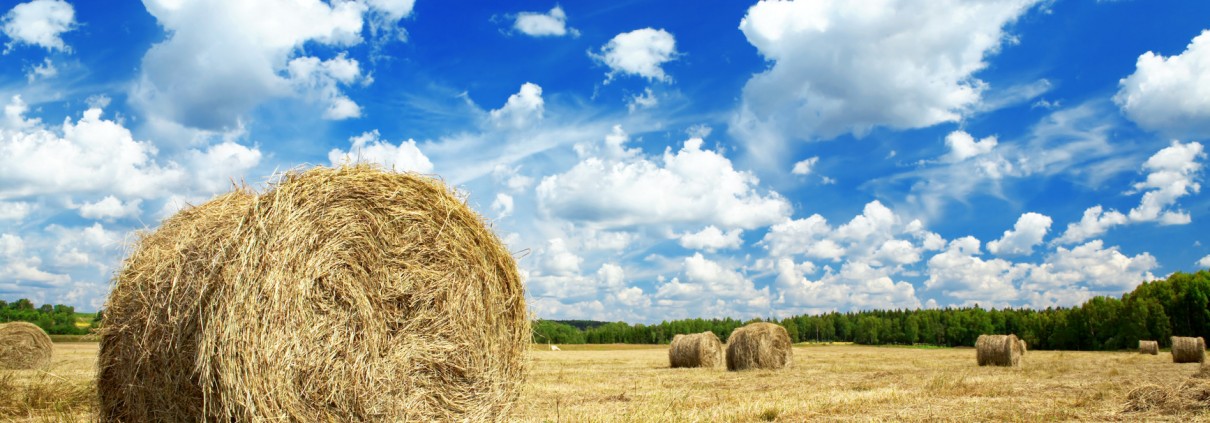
{"x": 24, "y": 346}
{"x": 759, "y": 345}
{"x": 347, "y": 294}
{"x": 1024, "y": 347}
{"x": 696, "y": 350}
{"x": 1188, "y": 349}
{"x": 1149, "y": 347}
{"x": 998, "y": 350}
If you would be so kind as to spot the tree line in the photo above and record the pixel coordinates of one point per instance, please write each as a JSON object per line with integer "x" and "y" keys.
{"x": 54, "y": 319}
{"x": 1178, "y": 305}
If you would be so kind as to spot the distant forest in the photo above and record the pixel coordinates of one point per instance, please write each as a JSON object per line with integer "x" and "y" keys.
{"x": 54, "y": 319}
{"x": 1178, "y": 305}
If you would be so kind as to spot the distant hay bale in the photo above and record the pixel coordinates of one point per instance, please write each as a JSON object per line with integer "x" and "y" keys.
{"x": 759, "y": 345}
{"x": 998, "y": 350}
{"x": 347, "y": 294}
{"x": 1022, "y": 345}
{"x": 1188, "y": 349}
{"x": 24, "y": 346}
{"x": 1149, "y": 347}
{"x": 696, "y": 350}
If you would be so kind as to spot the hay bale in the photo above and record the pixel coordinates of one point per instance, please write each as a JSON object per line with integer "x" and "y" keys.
{"x": 696, "y": 350}
{"x": 1024, "y": 348}
{"x": 1188, "y": 349}
{"x": 998, "y": 350}
{"x": 348, "y": 294}
{"x": 1149, "y": 347}
{"x": 759, "y": 345}
{"x": 24, "y": 346}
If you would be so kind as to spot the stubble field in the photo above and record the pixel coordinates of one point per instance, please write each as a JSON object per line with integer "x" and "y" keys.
{"x": 606, "y": 383}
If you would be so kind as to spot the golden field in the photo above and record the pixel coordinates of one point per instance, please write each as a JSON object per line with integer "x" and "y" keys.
{"x": 627, "y": 383}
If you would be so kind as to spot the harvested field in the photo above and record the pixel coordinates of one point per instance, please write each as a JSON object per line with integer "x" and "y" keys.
{"x": 632, "y": 383}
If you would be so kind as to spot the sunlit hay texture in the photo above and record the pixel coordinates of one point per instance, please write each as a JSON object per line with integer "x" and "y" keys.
{"x": 1023, "y": 346}
{"x": 1149, "y": 347}
{"x": 1188, "y": 349}
{"x": 998, "y": 350}
{"x": 1192, "y": 395}
{"x": 696, "y": 350}
{"x": 347, "y": 294}
{"x": 759, "y": 345}
{"x": 24, "y": 346}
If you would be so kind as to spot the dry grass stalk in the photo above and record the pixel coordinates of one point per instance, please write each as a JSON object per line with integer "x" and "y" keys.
{"x": 24, "y": 346}
{"x": 1204, "y": 371}
{"x": 1192, "y": 395}
{"x": 696, "y": 350}
{"x": 347, "y": 294}
{"x": 759, "y": 345}
{"x": 1188, "y": 349}
{"x": 45, "y": 394}
{"x": 998, "y": 350}
{"x": 1149, "y": 347}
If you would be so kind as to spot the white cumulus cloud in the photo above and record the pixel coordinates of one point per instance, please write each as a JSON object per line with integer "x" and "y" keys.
{"x": 502, "y": 205}
{"x": 1021, "y": 239}
{"x": 90, "y": 155}
{"x": 549, "y": 24}
{"x": 369, "y": 147}
{"x": 39, "y": 23}
{"x": 1170, "y": 94}
{"x": 712, "y": 238}
{"x": 963, "y": 146}
{"x": 1095, "y": 221}
{"x": 691, "y": 185}
{"x": 804, "y": 167}
{"x": 522, "y": 109}
{"x": 14, "y": 210}
{"x": 958, "y": 272}
{"x": 110, "y": 208}
{"x": 1172, "y": 173}
{"x": 839, "y": 66}
{"x": 222, "y": 58}
{"x": 641, "y": 52}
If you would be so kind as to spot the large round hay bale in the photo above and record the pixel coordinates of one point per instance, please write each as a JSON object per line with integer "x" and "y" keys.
{"x": 759, "y": 345}
{"x": 1149, "y": 347}
{"x": 24, "y": 346}
{"x": 348, "y": 294}
{"x": 1023, "y": 346}
{"x": 696, "y": 350}
{"x": 998, "y": 350}
{"x": 1188, "y": 349}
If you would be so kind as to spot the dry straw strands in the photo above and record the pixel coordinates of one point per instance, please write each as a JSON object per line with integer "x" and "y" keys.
{"x": 1022, "y": 345}
{"x": 1149, "y": 347}
{"x": 24, "y": 346}
{"x": 696, "y": 350}
{"x": 1188, "y": 350}
{"x": 1192, "y": 395}
{"x": 348, "y": 294}
{"x": 759, "y": 345}
{"x": 998, "y": 350}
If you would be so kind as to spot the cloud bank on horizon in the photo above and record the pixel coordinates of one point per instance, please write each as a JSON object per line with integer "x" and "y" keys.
{"x": 764, "y": 159}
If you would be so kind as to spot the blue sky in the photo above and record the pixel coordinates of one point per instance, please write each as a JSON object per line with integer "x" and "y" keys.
{"x": 644, "y": 160}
